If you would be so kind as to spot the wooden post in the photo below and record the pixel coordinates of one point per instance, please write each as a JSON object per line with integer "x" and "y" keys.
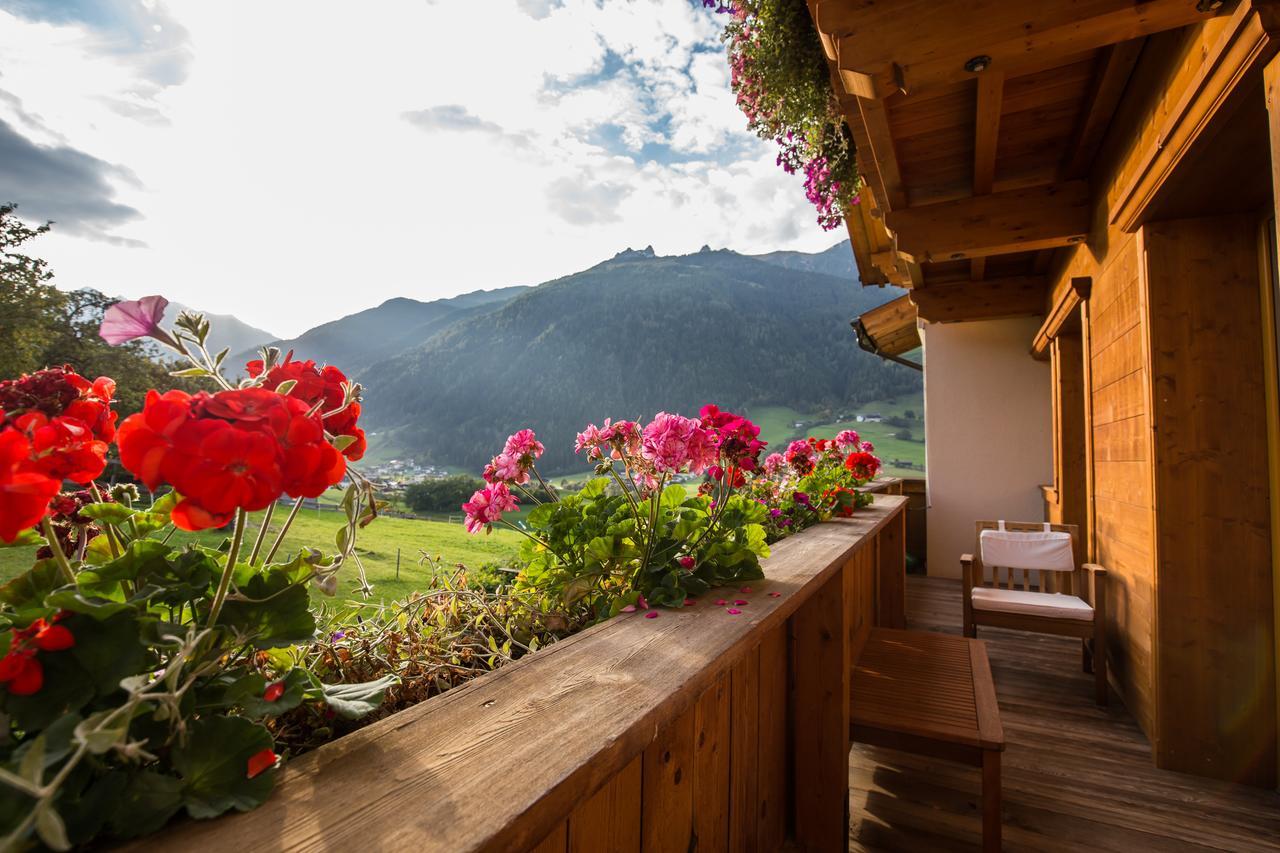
{"x": 891, "y": 576}
{"x": 820, "y": 719}
{"x": 397, "y": 564}
{"x": 1271, "y": 367}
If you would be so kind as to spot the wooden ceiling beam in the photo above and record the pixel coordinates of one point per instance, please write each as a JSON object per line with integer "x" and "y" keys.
{"x": 916, "y": 45}
{"x": 1115, "y": 64}
{"x": 986, "y": 137}
{"x": 996, "y": 224}
{"x": 992, "y": 299}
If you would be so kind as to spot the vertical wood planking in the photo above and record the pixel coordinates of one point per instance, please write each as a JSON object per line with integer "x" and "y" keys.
{"x": 556, "y": 842}
{"x": 609, "y": 822}
{"x": 775, "y": 719}
{"x": 667, "y": 788}
{"x": 1215, "y": 641}
{"x": 892, "y": 574}
{"x": 744, "y": 768}
{"x": 711, "y": 790}
{"x": 820, "y": 715}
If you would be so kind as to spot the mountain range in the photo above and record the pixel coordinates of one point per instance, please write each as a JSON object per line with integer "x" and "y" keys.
{"x": 446, "y": 381}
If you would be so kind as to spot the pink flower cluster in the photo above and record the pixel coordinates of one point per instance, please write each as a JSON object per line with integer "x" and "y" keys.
{"x": 847, "y": 439}
{"x": 671, "y": 442}
{"x": 487, "y": 506}
{"x": 512, "y": 465}
{"x": 773, "y": 463}
{"x": 802, "y": 456}
{"x": 618, "y": 438}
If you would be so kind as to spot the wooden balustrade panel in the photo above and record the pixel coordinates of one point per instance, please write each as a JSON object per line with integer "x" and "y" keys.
{"x": 696, "y": 728}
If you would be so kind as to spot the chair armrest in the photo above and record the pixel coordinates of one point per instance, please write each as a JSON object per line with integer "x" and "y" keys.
{"x": 966, "y": 575}
{"x": 966, "y": 559}
{"x": 1097, "y": 577}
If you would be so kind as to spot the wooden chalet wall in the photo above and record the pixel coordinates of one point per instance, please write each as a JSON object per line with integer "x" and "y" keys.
{"x": 1179, "y": 504}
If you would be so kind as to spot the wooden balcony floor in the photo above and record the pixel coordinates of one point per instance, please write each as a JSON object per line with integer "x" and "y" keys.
{"x": 1076, "y": 777}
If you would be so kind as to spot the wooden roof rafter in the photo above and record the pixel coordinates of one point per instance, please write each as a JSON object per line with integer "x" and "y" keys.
{"x": 918, "y": 44}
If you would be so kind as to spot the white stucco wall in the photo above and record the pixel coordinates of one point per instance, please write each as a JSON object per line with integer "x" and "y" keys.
{"x": 988, "y": 431}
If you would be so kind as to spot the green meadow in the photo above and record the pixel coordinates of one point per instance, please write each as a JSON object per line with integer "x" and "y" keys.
{"x": 377, "y": 546}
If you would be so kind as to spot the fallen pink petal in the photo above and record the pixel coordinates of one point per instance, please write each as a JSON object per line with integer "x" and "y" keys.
{"x": 652, "y": 614}
{"x": 745, "y": 589}
{"x": 630, "y": 608}
{"x": 741, "y": 602}
{"x": 775, "y": 595}
{"x": 720, "y": 602}
{"x": 689, "y": 602}
{"x": 733, "y": 611}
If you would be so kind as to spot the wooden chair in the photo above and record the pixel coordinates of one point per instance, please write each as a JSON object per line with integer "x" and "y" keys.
{"x": 1070, "y": 600}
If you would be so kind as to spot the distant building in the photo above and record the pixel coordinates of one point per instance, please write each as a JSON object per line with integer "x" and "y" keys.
{"x": 873, "y": 418}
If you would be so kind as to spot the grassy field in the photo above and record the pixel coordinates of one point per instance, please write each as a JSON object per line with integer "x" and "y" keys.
{"x": 377, "y": 545}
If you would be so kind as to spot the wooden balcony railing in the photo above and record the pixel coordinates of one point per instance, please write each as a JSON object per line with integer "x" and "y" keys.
{"x": 695, "y": 728}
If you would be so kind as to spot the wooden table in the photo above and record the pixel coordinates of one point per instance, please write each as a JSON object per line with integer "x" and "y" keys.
{"x": 931, "y": 694}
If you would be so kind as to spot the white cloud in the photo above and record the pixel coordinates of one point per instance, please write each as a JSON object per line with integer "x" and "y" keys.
{"x": 286, "y": 179}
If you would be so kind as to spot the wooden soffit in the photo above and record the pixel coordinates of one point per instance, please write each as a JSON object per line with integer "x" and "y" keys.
{"x": 995, "y": 224}
{"x": 911, "y": 46}
{"x": 989, "y": 299}
{"x": 891, "y": 328}
{"x": 1250, "y": 38}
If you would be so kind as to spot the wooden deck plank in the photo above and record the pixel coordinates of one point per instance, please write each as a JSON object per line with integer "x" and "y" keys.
{"x": 1076, "y": 777}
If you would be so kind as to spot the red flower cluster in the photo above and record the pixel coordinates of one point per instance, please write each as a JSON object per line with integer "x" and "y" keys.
{"x": 231, "y": 450}
{"x": 54, "y": 426}
{"x": 20, "y": 670}
{"x": 317, "y": 385}
{"x": 737, "y": 438}
{"x": 863, "y": 466}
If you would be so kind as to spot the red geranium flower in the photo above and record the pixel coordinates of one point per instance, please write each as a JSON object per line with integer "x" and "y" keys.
{"x": 864, "y": 466}
{"x": 236, "y": 449}
{"x": 20, "y": 670}
{"x": 322, "y": 386}
{"x": 24, "y": 492}
{"x": 59, "y": 391}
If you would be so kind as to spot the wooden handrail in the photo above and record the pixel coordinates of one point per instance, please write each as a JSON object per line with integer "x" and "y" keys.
{"x": 502, "y": 763}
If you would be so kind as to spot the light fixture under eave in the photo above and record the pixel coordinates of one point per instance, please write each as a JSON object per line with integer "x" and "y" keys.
{"x": 978, "y": 64}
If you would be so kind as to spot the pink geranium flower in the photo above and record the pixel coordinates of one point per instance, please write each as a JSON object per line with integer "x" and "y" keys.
{"x": 132, "y": 319}
{"x": 672, "y": 442}
{"x": 847, "y": 438}
{"x": 506, "y": 468}
{"x": 773, "y": 463}
{"x": 524, "y": 446}
{"x": 487, "y": 506}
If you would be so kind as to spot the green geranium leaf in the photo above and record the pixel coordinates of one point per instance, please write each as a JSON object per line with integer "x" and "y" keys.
{"x": 146, "y": 801}
{"x": 67, "y": 687}
{"x": 273, "y": 611}
{"x": 594, "y": 488}
{"x": 77, "y": 601}
{"x": 673, "y": 496}
{"x": 26, "y": 592}
{"x": 26, "y": 539}
{"x": 143, "y": 556}
{"x": 111, "y": 513}
{"x": 110, "y": 649}
{"x": 353, "y": 701}
{"x": 214, "y": 766}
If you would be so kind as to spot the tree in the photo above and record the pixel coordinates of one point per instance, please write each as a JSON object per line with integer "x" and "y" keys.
{"x": 445, "y": 494}
{"x": 41, "y": 326}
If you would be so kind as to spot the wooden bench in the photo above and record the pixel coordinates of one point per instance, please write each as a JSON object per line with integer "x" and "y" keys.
{"x": 931, "y": 694}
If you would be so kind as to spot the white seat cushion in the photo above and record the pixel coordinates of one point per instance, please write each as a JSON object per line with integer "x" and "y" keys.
{"x": 1053, "y": 604}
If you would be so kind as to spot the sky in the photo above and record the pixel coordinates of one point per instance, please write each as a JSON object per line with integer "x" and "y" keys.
{"x": 294, "y": 161}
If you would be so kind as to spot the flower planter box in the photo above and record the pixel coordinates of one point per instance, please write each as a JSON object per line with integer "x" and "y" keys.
{"x": 731, "y": 729}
